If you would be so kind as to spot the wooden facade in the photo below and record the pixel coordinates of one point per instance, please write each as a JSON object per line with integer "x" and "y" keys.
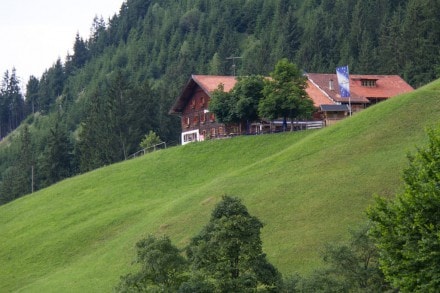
{"x": 198, "y": 124}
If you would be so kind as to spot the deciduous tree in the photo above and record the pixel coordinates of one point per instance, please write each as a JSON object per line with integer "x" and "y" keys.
{"x": 240, "y": 105}
{"x": 229, "y": 250}
{"x": 406, "y": 229}
{"x": 162, "y": 267}
{"x": 284, "y": 95}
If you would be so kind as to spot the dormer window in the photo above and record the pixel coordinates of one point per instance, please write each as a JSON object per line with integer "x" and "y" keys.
{"x": 368, "y": 82}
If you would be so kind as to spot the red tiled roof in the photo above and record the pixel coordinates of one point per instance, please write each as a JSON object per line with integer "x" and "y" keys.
{"x": 209, "y": 83}
{"x": 318, "y": 97}
{"x": 387, "y": 86}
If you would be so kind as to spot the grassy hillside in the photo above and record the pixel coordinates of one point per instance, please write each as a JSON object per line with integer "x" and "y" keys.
{"x": 308, "y": 188}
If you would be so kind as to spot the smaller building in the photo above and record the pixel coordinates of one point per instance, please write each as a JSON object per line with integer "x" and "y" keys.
{"x": 333, "y": 113}
{"x": 365, "y": 90}
{"x": 191, "y": 105}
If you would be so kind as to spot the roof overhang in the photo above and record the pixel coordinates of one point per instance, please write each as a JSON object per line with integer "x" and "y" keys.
{"x": 183, "y": 98}
{"x": 207, "y": 83}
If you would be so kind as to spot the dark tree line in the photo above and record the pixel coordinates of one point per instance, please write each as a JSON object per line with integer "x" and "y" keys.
{"x": 155, "y": 45}
{"x": 12, "y": 108}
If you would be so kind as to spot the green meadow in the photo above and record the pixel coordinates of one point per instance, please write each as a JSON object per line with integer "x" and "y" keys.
{"x": 308, "y": 188}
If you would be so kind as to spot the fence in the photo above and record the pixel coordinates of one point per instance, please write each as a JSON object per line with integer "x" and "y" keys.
{"x": 161, "y": 145}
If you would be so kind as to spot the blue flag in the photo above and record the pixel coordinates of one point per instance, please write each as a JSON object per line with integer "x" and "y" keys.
{"x": 343, "y": 81}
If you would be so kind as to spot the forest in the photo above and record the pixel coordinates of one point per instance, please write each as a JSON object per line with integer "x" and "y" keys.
{"x": 94, "y": 108}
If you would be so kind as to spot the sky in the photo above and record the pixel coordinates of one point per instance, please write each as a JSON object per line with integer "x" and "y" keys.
{"x": 35, "y": 33}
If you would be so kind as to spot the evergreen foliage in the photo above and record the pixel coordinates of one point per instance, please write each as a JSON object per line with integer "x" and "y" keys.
{"x": 58, "y": 155}
{"x": 151, "y": 139}
{"x": 405, "y": 229}
{"x": 11, "y": 103}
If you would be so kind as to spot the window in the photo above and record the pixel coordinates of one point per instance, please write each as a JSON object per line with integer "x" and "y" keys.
{"x": 221, "y": 131}
{"x": 202, "y": 101}
{"x": 368, "y": 82}
{"x": 186, "y": 121}
{"x": 196, "y": 120}
{"x": 193, "y": 103}
{"x": 212, "y": 117}
{"x": 213, "y": 132}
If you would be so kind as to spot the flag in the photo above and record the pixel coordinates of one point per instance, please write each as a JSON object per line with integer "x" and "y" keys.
{"x": 343, "y": 81}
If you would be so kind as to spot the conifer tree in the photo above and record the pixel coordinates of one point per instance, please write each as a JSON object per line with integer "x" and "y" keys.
{"x": 58, "y": 153}
{"x": 32, "y": 94}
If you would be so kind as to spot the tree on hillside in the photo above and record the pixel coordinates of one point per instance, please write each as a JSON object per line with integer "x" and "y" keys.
{"x": 228, "y": 250}
{"x": 80, "y": 52}
{"x": 51, "y": 86}
{"x": 17, "y": 179}
{"x": 162, "y": 267}
{"x": 12, "y": 110}
{"x": 406, "y": 229}
{"x": 284, "y": 94}
{"x": 118, "y": 99}
{"x": 150, "y": 140}
{"x": 348, "y": 267}
{"x": 58, "y": 155}
{"x": 248, "y": 92}
{"x": 226, "y": 256}
{"x": 240, "y": 105}
{"x": 221, "y": 103}
{"x": 32, "y": 98}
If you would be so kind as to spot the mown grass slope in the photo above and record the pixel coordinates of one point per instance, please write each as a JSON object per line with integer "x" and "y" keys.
{"x": 307, "y": 187}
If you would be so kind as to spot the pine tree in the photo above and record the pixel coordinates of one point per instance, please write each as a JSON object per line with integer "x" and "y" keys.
{"x": 32, "y": 94}
{"x": 58, "y": 153}
{"x": 80, "y": 52}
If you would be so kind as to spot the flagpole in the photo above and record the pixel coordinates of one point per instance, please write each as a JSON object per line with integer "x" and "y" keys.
{"x": 349, "y": 104}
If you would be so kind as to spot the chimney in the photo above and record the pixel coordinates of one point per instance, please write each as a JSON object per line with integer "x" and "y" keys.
{"x": 330, "y": 84}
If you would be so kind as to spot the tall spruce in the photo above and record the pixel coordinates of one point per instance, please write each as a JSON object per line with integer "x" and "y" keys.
{"x": 32, "y": 95}
{"x": 12, "y": 110}
{"x": 58, "y": 153}
{"x": 17, "y": 179}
